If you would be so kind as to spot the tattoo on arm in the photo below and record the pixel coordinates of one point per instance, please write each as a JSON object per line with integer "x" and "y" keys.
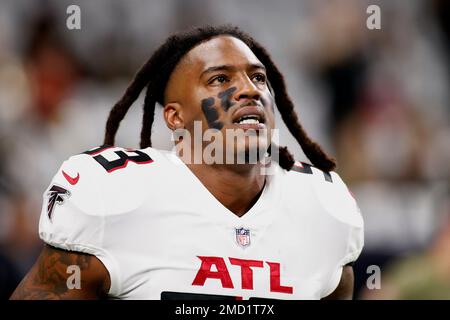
{"x": 47, "y": 279}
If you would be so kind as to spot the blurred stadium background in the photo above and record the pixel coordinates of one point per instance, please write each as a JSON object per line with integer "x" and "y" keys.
{"x": 376, "y": 99}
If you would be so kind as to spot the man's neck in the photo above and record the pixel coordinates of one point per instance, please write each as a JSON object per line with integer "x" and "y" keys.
{"x": 237, "y": 187}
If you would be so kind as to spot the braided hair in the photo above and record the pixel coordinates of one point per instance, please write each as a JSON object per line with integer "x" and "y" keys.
{"x": 155, "y": 73}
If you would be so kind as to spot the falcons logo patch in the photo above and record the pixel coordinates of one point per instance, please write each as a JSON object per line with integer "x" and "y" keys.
{"x": 56, "y": 195}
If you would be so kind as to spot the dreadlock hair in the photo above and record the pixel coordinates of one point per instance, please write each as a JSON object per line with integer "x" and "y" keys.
{"x": 155, "y": 74}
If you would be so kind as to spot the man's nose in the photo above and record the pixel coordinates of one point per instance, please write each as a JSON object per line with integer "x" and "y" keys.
{"x": 247, "y": 89}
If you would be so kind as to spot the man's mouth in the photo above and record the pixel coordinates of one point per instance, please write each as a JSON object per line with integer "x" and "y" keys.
{"x": 250, "y": 119}
{"x": 250, "y": 115}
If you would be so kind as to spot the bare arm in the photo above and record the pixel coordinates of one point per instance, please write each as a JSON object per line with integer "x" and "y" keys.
{"x": 47, "y": 279}
{"x": 344, "y": 290}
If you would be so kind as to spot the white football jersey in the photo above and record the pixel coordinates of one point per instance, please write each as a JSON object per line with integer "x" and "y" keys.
{"x": 162, "y": 235}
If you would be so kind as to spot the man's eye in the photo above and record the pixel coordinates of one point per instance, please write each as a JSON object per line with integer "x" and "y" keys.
{"x": 259, "y": 77}
{"x": 218, "y": 80}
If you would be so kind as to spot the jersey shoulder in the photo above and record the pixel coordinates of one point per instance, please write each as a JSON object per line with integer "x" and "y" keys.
{"x": 111, "y": 180}
{"x": 337, "y": 209}
{"x": 92, "y": 188}
{"x": 329, "y": 190}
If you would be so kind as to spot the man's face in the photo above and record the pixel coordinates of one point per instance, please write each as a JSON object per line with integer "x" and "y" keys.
{"x": 222, "y": 84}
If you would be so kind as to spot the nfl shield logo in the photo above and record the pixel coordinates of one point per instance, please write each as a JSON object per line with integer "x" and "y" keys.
{"x": 243, "y": 237}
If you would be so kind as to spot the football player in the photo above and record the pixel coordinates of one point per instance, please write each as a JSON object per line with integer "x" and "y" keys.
{"x": 150, "y": 224}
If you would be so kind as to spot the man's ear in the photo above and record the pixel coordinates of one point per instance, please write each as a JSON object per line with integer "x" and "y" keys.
{"x": 173, "y": 114}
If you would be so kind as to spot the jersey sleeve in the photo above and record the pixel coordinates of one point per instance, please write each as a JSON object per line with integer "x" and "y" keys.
{"x": 348, "y": 211}
{"x": 73, "y": 213}
{"x": 339, "y": 203}
{"x": 348, "y": 231}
